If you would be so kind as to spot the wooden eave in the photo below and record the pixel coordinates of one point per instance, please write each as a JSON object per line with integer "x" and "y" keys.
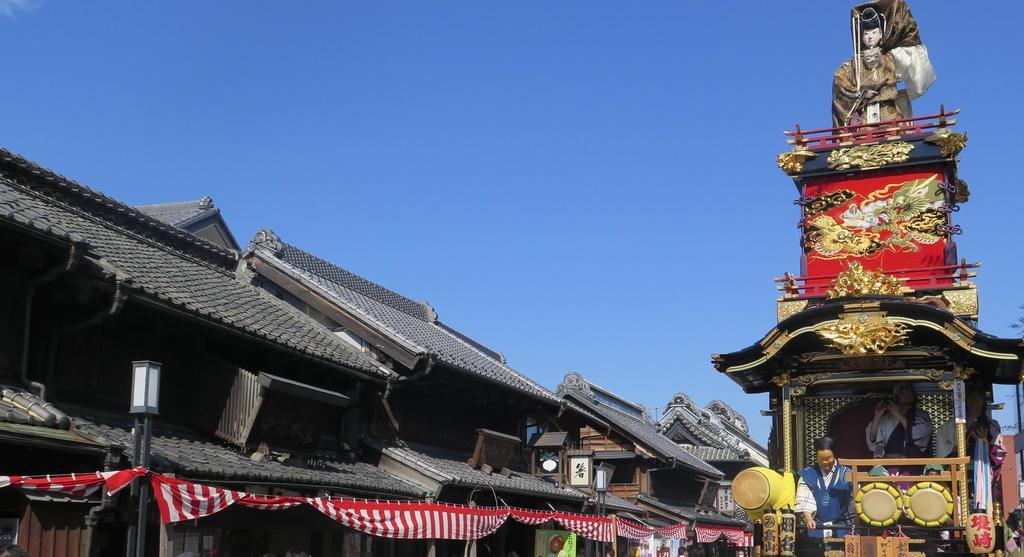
{"x": 792, "y": 346}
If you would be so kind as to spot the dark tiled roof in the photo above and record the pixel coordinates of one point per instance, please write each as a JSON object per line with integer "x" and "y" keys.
{"x": 162, "y": 264}
{"x": 638, "y": 429}
{"x": 450, "y": 468}
{"x": 691, "y": 512}
{"x": 619, "y": 504}
{"x": 710, "y": 428}
{"x": 410, "y": 324}
{"x": 716, "y": 454}
{"x": 180, "y": 213}
{"x": 198, "y": 457}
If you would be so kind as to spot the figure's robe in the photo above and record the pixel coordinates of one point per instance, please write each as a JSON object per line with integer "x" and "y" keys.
{"x": 850, "y": 107}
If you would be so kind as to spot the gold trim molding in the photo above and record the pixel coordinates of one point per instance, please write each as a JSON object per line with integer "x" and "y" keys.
{"x": 789, "y": 308}
{"x": 950, "y": 143}
{"x": 792, "y": 162}
{"x": 857, "y": 281}
{"x": 870, "y": 156}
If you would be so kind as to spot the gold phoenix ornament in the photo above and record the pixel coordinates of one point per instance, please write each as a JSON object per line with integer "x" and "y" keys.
{"x": 856, "y": 281}
{"x": 792, "y": 162}
{"x": 950, "y": 143}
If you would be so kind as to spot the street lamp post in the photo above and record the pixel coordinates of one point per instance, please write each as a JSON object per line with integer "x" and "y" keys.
{"x": 145, "y": 405}
{"x": 601, "y": 487}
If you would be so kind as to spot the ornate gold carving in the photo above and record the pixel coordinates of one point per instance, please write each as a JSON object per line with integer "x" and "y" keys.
{"x": 798, "y": 391}
{"x": 963, "y": 373}
{"x": 781, "y": 379}
{"x": 855, "y": 281}
{"x": 949, "y": 142}
{"x": 963, "y": 301}
{"x": 787, "y": 308}
{"x": 962, "y": 193}
{"x": 870, "y": 156}
{"x": 792, "y": 162}
{"x": 865, "y": 334}
{"x": 946, "y": 385}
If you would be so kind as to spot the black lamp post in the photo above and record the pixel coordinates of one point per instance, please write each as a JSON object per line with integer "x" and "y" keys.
{"x": 601, "y": 487}
{"x": 145, "y": 405}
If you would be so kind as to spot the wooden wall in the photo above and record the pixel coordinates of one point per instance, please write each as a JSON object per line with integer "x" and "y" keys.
{"x": 53, "y": 529}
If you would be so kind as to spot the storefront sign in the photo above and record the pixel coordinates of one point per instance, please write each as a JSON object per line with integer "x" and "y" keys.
{"x": 554, "y": 543}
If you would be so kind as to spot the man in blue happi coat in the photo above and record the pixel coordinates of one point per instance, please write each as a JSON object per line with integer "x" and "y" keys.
{"x": 823, "y": 496}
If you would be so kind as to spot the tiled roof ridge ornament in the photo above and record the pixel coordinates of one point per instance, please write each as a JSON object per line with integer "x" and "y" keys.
{"x": 206, "y": 202}
{"x": 729, "y": 414}
{"x": 574, "y": 381}
{"x": 856, "y": 281}
{"x": 431, "y": 313}
{"x": 267, "y": 239}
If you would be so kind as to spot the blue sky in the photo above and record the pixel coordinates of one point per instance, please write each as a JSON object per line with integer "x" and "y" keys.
{"x": 583, "y": 185}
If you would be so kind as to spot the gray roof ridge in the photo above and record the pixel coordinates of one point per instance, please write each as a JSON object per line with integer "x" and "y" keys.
{"x": 371, "y": 284}
{"x": 390, "y": 331}
{"x": 653, "y": 430}
{"x": 125, "y": 216}
{"x": 496, "y": 362}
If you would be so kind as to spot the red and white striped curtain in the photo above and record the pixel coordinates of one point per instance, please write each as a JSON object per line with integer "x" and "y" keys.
{"x": 412, "y": 520}
{"x": 706, "y": 534}
{"x": 633, "y": 531}
{"x": 674, "y": 532}
{"x": 180, "y": 500}
{"x": 81, "y": 485}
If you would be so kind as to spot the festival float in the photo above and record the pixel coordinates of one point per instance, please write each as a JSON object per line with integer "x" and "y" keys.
{"x": 879, "y": 378}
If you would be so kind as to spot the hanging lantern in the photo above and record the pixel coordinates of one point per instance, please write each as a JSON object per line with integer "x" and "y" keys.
{"x": 981, "y": 533}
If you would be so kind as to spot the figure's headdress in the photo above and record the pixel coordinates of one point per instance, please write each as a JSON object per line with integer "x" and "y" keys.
{"x": 871, "y": 18}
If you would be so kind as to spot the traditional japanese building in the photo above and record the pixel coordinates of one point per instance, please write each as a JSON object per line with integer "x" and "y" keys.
{"x": 648, "y": 469}
{"x": 92, "y": 285}
{"x": 718, "y": 435}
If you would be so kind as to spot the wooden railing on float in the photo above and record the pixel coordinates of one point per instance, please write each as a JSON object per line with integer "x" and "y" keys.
{"x": 954, "y": 474}
{"x": 920, "y": 278}
{"x": 903, "y": 128}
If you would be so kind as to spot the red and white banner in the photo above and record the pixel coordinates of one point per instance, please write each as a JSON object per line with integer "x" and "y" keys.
{"x": 674, "y": 532}
{"x": 589, "y": 526}
{"x": 180, "y": 500}
{"x": 531, "y": 517}
{"x": 81, "y": 485}
{"x": 708, "y": 534}
{"x": 633, "y": 531}
{"x": 270, "y": 502}
{"x": 413, "y": 520}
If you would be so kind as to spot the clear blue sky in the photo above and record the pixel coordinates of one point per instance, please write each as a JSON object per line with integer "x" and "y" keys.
{"x": 583, "y": 185}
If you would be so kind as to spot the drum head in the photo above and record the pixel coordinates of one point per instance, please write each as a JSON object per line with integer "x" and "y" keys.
{"x": 879, "y": 505}
{"x": 928, "y": 504}
{"x": 751, "y": 489}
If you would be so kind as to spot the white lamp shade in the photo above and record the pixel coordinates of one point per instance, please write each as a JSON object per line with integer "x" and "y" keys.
{"x": 145, "y": 387}
{"x": 601, "y": 480}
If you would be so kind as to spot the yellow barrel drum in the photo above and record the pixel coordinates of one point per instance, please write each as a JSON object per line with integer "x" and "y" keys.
{"x": 759, "y": 489}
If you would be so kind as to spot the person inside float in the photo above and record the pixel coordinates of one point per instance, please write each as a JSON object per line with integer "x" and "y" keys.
{"x": 981, "y": 428}
{"x": 899, "y": 428}
{"x": 823, "y": 498}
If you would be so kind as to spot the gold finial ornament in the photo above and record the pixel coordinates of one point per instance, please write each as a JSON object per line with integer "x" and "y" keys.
{"x": 792, "y": 162}
{"x": 950, "y": 142}
{"x": 873, "y": 335}
{"x": 856, "y": 281}
{"x": 870, "y": 156}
